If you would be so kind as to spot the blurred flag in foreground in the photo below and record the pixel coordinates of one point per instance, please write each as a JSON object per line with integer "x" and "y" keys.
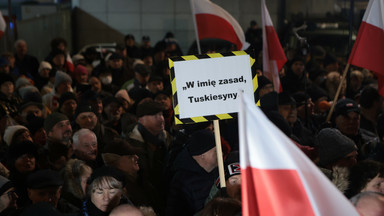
{"x": 276, "y": 177}
{"x": 3, "y": 25}
{"x": 368, "y": 50}
{"x": 213, "y": 21}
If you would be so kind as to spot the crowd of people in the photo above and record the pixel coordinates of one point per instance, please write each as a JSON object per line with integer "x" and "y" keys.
{"x": 89, "y": 135}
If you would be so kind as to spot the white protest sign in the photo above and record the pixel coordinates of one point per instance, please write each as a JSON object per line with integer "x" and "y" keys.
{"x": 211, "y": 86}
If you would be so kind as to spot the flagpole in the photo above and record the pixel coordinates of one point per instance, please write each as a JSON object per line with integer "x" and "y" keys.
{"x": 337, "y": 93}
{"x": 219, "y": 153}
{"x": 195, "y": 25}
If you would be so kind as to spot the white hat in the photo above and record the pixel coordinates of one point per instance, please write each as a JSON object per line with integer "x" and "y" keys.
{"x": 10, "y": 132}
{"x": 44, "y": 65}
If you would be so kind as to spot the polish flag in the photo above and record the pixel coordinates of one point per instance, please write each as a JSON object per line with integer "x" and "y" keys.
{"x": 368, "y": 50}
{"x": 273, "y": 54}
{"x": 276, "y": 177}
{"x": 214, "y": 22}
{"x": 3, "y": 25}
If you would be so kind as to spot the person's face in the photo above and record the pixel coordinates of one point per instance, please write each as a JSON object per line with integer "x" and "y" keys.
{"x": 4, "y": 69}
{"x": 98, "y": 106}
{"x": 22, "y": 135}
{"x": 45, "y": 72}
{"x": 210, "y": 158}
{"x": 68, "y": 108}
{"x": 106, "y": 199}
{"x": 348, "y": 161}
{"x": 375, "y": 185}
{"x": 86, "y": 149}
{"x": 40, "y": 137}
{"x": 130, "y": 42}
{"x": 84, "y": 178}
{"x": 310, "y": 108}
{"x": 234, "y": 187}
{"x": 164, "y": 100}
{"x": 153, "y": 123}
{"x": 289, "y": 113}
{"x": 348, "y": 124}
{"x": 59, "y": 60}
{"x": 86, "y": 120}
{"x": 95, "y": 84}
{"x": 129, "y": 164}
{"x": 265, "y": 90}
{"x": 8, "y": 199}
{"x": 49, "y": 194}
{"x": 61, "y": 46}
{"x": 25, "y": 163}
{"x": 113, "y": 111}
{"x": 116, "y": 63}
{"x": 142, "y": 79}
{"x": 63, "y": 87}
{"x": 82, "y": 77}
{"x": 21, "y": 48}
{"x": 148, "y": 60}
{"x": 61, "y": 131}
{"x": 33, "y": 110}
{"x": 7, "y": 88}
{"x": 155, "y": 86}
{"x": 298, "y": 68}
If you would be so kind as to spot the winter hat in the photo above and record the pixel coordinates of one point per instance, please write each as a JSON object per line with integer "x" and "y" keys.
{"x": 18, "y": 149}
{"x": 43, "y": 179}
{"x": 66, "y": 96}
{"x": 53, "y": 119}
{"x": 122, "y": 93}
{"x": 142, "y": 69}
{"x": 232, "y": 165}
{"x": 33, "y": 97}
{"x": 115, "y": 149}
{"x": 107, "y": 171}
{"x": 80, "y": 69}
{"x": 344, "y": 106}
{"x": 201, "y": 142}
{"x": 5, "y": 184}
{"x": 332, "y": 145}
{"x": 56, "y": 52}
{"x": 83, "y": 107}
{"x": 44, "y": 65}
{"x": 109, "y": 100}
{"x": 62, "y": 77}
{"x": 286, "y": 99}
{"x": 269, "y": 102}
{"x": 77, "y": 57}
{"x": 115, "y": 56}
{"x": 262, "y": 81}
{"x": 5, "y": 78}
{"x": 10, "y": 131}
{"x": 22, "y": 81}
{"x": 27, "y": 89}
{"x": 149, "y": 107}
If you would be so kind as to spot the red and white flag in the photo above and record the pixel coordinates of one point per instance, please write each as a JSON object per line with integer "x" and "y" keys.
{"x": 214, "y": 22}
{"x": 3, "y": 25}
{"x": 276, "y": 177}
{"x": 368, "y": 50}
{"x": 273, "y": 54}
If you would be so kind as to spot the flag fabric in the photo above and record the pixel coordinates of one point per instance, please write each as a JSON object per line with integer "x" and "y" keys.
{"x": 276, "y": 177}
{"x": 273, "y": 54}
{"x": 3, "y": 25}
{"x": 213, "y": 21}
{"x": 368, "y": 50}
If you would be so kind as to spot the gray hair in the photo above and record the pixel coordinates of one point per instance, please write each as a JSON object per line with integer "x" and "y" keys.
{"x": 20, "y": 41}
{"x": 80, "y": 133}
{"x": 364, "y": 195}
{"x": 108, "y": 182}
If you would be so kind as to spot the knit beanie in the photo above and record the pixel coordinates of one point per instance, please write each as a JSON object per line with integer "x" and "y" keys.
{"x": 10, "y": 132}
{"x": 122, "y": 93}
{"x": 27, "y": 89}
{"x": 66, "y": 96}
{"x": 5, "y": 184}
{"x": 201, "y": 142}
{"x": 44, "y": 65}
{"x": 22, "y": 81}
{"x": 149, "y": 107}
{"x": 53, "y": 119}
{"x": 80, "y": 69}
{"x": 332, "y": 145}
{"x": 84, "y": 107}
{"x": 107, "y": 171}
{"x": 231, "y": 166}
{"x": 61, "y": 77}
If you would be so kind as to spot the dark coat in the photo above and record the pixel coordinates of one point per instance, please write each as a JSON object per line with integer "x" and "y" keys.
{"x": 189, "y": 187}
